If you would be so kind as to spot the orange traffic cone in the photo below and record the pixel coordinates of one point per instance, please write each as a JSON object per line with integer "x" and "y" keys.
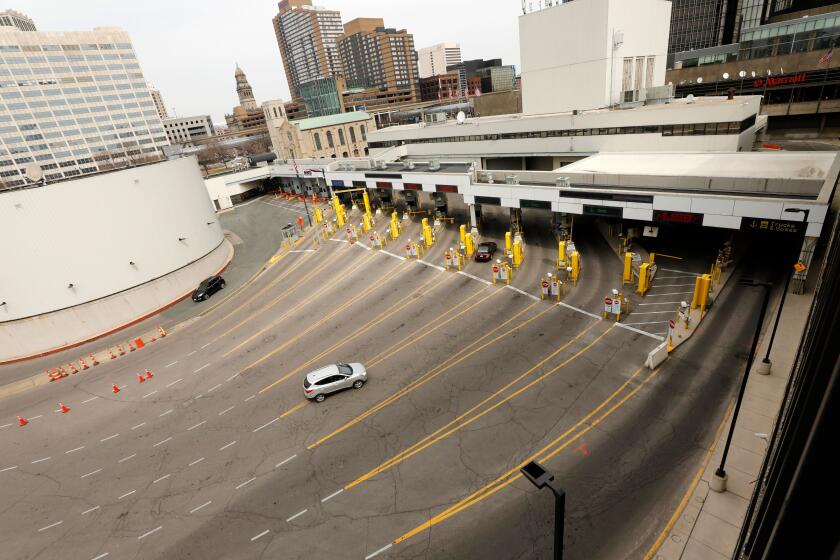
{"x": 149, "y": 374}
{"x": 93, "y": 359}
{"x": 120, "y": 350}
{"x": 22, "y": 421}
{"x": 83, "y": 364}
{"x": 140, "y": 378}
{"x": 63, "y": 408}
{"x": 115, "y": 389}
{"x": 73, "y": 369}
{"x": 113, "y": 356}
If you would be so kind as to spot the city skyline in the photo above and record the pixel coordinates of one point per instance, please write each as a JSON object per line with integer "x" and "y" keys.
{"x": 250, "y": 41}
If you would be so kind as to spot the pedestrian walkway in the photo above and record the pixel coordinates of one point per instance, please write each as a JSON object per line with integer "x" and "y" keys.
{"x": 706, "y": 524}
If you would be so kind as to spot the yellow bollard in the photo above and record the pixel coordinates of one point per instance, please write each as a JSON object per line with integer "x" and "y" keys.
{"x": 698, "y": 287}
{"x": 705, "y": 286}
{"x": 367, "y": 202}
{"x": 508, "y": 245}
{"x": 652, "y": 258}
{"x": 644, "y": 285}
{"x": 469, "y": 244}
{"x": 462, "y": 232}
{"x": 575, "y": 258}
{"x": 427, "y": 232}
{"x": 517, "y": 254}
{"x": 628, "y": 267}
{"x": 366, "y": 222}
{"x": 561, "y": 253}
{"x": 340, "y": 216}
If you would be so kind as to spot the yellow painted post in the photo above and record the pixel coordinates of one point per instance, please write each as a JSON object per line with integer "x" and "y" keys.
{"x": 698, "y": 287}
{"x": 652, "y": 258}
{"x": 575, "y": 258}
{"x": 427, "y": 232}
{"x": 628, "y": 267}
{"x": 517, "y": 254}
{"x": 367, "y": 202}
{"x": 643, "y": 279}
{"x": 340, "y": 216}
{"x": 561, "y": 253}
{"x": 706, "y": 283}
{"x": 469, "y": 246}
{"x": 366, "y": 221}
{"x": 462, "y": 232}
{"x": 508, "y": 245}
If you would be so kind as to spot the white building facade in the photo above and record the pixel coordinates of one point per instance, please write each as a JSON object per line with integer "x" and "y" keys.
{"x": 73, "y": 103}
{"x": 586, "y": 55}
{"x": 435, "y": 59}
{"x": 184, "y": 130}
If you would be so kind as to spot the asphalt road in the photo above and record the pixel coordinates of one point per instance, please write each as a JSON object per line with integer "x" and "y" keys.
{"x": 220, "y": 456}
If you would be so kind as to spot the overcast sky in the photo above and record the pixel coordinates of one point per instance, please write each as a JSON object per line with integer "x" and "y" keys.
{"x": 189, "y": 48}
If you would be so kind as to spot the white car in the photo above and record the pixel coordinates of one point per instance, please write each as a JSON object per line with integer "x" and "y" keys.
{"x": 321, "y": 382}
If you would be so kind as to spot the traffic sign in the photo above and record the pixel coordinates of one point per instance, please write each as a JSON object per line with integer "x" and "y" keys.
{"x": 799, "y": 267}
{"x": 495, "y": 268}
{"x": 371, "y": 238}
{"x": 608, "y": 305}
{"x": 545, "y": 284}
{"x": 671, "y": 324}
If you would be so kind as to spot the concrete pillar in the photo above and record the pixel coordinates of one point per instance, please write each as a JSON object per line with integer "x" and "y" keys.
{"x": 806, "y": 254}
{"x": 473, "y": 221}
{"x": 516, "y": 217}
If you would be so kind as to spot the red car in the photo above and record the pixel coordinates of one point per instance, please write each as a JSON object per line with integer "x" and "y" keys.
{"x": 485, "y": 250}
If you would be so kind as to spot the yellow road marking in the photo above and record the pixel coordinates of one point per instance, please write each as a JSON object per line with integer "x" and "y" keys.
{"x": 684, "y": 502}
{"x": 294, "y": 408}
{"x": 326, "y": 318}
{"x": 445, "y": 431}
{"x": 437, "y": 370}
{"x": 513, "y": 474}
{"x": 286, "y": 293}
{"x": 271, "y": 284}
{"x": 372, "y": 323}
{"x": 282, "y": 317}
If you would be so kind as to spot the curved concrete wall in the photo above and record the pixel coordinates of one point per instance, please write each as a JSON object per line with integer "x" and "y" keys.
{"x": 86, "y": 233}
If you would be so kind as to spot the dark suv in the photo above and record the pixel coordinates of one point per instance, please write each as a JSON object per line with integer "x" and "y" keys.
{"x": 208, "y": 287}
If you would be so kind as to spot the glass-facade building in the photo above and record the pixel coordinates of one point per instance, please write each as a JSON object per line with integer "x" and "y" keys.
{"x": 322, "y": 96}
{"x": 73, "y": 103}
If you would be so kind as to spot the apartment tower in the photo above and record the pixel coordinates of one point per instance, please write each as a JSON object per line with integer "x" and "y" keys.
{"x": 434, "y": 60}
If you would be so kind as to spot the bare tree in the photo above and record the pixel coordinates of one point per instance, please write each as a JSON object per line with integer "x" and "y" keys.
{"x": 258, "y": 145}
{"x": 214, "y": 152}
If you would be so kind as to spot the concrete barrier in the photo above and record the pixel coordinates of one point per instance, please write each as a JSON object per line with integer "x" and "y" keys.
{"x": 657, "y": 356}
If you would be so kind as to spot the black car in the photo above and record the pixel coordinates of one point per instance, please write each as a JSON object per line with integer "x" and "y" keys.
{"x": 484, "y": 252}
{"x": 208, "y": 287}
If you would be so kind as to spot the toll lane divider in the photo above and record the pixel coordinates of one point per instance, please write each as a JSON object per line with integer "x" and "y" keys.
{"x": 557, "y": 445}
{"x": 466, "y": 418}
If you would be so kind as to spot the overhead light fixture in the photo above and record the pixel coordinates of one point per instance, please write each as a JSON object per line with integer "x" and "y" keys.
{"x": 182, "y": 239}
{"x": 70, "y": 286}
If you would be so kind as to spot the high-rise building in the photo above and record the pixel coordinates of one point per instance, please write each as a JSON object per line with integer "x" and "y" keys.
{"x": 307, "y": 37}
{"x": 436, "y": 59}
{"x": 380, "y": 63}
{"x": 160, "y": 106}
{"x": 244, "y": 91}
{"x": 11, "y": 18}
{"x": 184, "y": 130}
{"x": 73, "y": 103}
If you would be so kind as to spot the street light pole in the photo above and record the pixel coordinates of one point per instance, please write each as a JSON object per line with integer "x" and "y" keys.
{"x": 766, "y": 364}
{"x": 297, "y": 174}
{"x": 718, "y": 482}
{"x": 541, "y": 478}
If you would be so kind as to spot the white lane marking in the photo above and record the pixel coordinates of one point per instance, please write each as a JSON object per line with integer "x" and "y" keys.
{"x": 338, "y": 240}
{"x": 74, "y": 450}
{"x": 264, "y": 533}
{"x": 207, "y": 503}
{"x": 380, "y": 551}
{"x": 668, "y": 286}
{"x": 266, "y": 425}
{"x": 225, "y": 411}
{"x": 150, "y": 394}
{"x": 35, "y": 417}
{"x": 474, "y": 277}
{"x": 124, "y": 459}
{"x": 8, "y": 469}
{"x": 197, "y": 461}
{"x": 678, "y": 276}
{"x": 222, "y": 448}
{"x": 524, "y": 293}
{"x": 421, "y": 261}
{"x": 138, "y": 425}
{"x": 639, "y": 331}
{"x": 91, "y": 473}
{"x": 295, "y": 516}
{"x": 5, "y": 425}
{"x": 103, "y": 555}
{"x": 679, "y": 271}
{"x": 165, "y": 413}
{"x": 284, "y": 461}
{"x": 146, "y": 534}
{"x": 578, "y": 309}
{"x": 41, "y": 460}
{"x": 251, "y": 397}
{"x": 164, "y": 477}
{"x": 232, "y": 377}
{"x": 87, "y": 511}
{"x": 123, "y": 386}
{"x": 191, "y": 353}
{"x": 304, "y": 251}
{"x": 669, "y": 294}
{"x": 56, "y": 524}
{"x": 163, "y": 441}
{"x": 90, "y": 399}
{"x": 213, "y": 388}
{"x": 172, "y": 364}
{"x": 647, "y": 323}
{"x": 390, "y": 254}
{"x": 671, "y": 312}
{"x": 174, "y": 382}
{"x": 107, "y": 438}
{"x": 126, "y": 494}
{"x": 201, "y": 368}
{"x": 196, "y": 426}
{"x": 247, "y": 482}
{"x": 205, "y": 346}
{"x": 333, "y": 495}
{"x": 198, "y": 396}
{"x": 660, "y": 303}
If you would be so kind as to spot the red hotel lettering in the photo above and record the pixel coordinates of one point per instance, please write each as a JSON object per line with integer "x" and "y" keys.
{"x": 781, "y": 81}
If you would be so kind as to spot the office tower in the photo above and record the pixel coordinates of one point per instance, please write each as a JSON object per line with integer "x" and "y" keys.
{"x": 11, "y": 18}
{"x": 159, "y": 104}
{"x": 434, "y": 60}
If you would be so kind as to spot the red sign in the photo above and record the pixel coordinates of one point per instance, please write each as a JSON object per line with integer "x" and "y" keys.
{"x": 781, "y": 80}
{"x": 607, "y": 301}
{"x": 371, "y": 238}
{"x": 671, "y": 324}
{"x": 408, "y": 247}
{"x": 495, "y": 268}
{"x": 545, "y": 284}
{"x": 677, "y": 217}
